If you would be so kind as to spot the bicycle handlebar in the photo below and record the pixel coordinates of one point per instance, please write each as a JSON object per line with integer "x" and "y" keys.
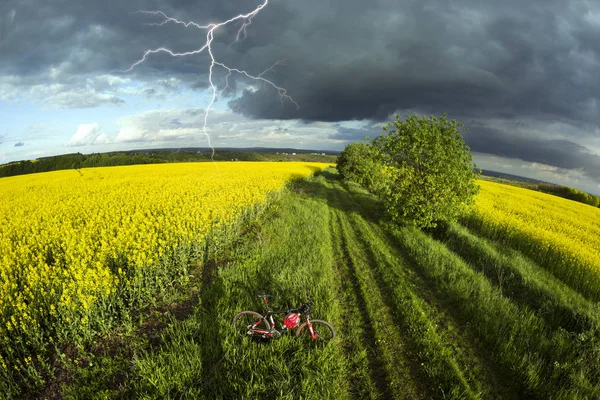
{"x": 303, "y": 309}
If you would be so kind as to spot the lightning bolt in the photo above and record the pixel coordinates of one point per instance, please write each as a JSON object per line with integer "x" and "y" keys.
{"x": 207, "y": 46}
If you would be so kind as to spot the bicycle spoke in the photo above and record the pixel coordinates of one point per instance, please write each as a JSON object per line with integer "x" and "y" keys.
{"x": 246, "y": 322}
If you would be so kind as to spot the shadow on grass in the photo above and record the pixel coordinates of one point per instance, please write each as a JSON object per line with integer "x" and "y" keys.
{"x": 183, "y": 349}
{"x": 327, "y": 186}
{"x": 417, "y": 374}
{"x": 378, "y": 373}
{"x": 187, "y": 357}
{"x": 453, "y": 305}
{"x": 348, "y": 199}
{"x": 513, "y": 284}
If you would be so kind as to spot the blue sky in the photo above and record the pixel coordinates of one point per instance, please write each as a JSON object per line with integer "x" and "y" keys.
{"x": 37, "y": 127}
{"x": 523, "y": 78}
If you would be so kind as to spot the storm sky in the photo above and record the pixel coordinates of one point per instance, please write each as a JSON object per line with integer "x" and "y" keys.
{"x": 523, "y": 77}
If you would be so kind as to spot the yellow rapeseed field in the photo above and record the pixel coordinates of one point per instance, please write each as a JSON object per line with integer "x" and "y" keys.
{"x": 69, "y": 239}
{"x": 564, "y": 233}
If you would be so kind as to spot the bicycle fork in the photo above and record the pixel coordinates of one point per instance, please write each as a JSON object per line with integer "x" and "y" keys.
{"x": 312, "y": 332}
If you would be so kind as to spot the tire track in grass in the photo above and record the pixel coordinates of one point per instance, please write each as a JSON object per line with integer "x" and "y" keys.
{"x": 525, "y": 282}
{"x": 391, "y": 348}
{"x": 362, "y": 386}
{"x": 447, "y": 358}
{"x": 541, "y": 362}
{"x": 378, "y": 373}
{"x": 468, "y": 358}
{"x": 465, "y": 355}
{"x": 471, "y": 361}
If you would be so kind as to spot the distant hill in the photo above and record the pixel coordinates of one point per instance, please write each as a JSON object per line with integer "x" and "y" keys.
{"x": 541, "y": 186}
{"x": 511, "y": 177}
{"x": 243, "y": 150}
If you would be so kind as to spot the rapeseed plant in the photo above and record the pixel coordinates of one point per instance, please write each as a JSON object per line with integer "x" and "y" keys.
{"x": 70, "y": 242}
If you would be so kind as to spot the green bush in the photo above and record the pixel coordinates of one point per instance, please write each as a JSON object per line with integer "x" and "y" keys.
{"x": 357, "y": 163}
{"x": 430, "y": 174}
{"x": 421, "y": 169}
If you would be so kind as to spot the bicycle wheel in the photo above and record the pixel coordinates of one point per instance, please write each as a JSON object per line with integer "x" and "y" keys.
{"x": 323, "y": 329}
{"x": 245, "y": 321}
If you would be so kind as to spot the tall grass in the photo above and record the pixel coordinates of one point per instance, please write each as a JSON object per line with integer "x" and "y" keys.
{"x": 201, "y": 357}
{"x": 560, "y": 235}
{"x": 520, "y": 279}
{"x": 448, "y": 315}
{"x": 81, "y": 253}
{"x": 543, "y": 361}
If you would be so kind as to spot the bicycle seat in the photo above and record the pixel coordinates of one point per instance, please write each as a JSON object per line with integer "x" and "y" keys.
{"x": 263, "y": 294}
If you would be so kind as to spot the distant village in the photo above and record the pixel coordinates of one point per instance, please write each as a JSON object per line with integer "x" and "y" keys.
{"x": 293, "y": 154}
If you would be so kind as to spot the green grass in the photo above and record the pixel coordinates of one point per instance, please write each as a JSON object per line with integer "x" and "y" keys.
{"x": 580, "y": 276}
{"x": 520, "y": 279}
{"x": 418, "y": 316}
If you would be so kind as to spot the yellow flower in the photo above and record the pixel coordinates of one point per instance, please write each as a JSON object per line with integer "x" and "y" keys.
{"x": 68, "y": 231}
{"x": 551, "y": 223}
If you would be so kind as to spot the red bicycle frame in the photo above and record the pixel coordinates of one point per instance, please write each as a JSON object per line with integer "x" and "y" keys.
{"x": 304, "y": 309}
{"x": 318, "y": 329}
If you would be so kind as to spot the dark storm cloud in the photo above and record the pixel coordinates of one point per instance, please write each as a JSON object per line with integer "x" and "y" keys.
{"x": 557, "y": 152}
{"x": 104, "y": 37}
{"x": 356, "y": 134}
{"x": 344, "y": 60}
{"x": 19, "y": 144}
{"x": 537, "y": 59}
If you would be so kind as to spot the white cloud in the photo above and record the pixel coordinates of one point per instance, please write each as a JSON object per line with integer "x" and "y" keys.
{"x": 544, "y": 172}
{"x": 68, "y": 96}
{"x": 592, "y": 17}
{"x": 160, "y": 125}
{"x": 184, "y": 127}
{"x": 171, "y": 83}
{"x": 541, "y": 167}
{"x": 56, "y": 95}
{"x": 58, "y": 87}
{"x": 87, "y": 134}
{"x": 102, "y": 139}
{"x": 103, "y": 82}
{"x": 130, "y": 134}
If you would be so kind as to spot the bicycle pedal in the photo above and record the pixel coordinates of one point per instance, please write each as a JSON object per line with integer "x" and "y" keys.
{"x": 275, "y": 334}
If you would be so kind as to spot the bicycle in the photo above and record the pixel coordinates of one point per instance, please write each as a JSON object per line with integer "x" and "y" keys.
{"x": 253, "y": 324}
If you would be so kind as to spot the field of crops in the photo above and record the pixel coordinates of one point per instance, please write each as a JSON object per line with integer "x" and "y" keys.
{"x": 80, "y": 247}
{"x": 481, "y": 310}
{"x": 561, "y": 234}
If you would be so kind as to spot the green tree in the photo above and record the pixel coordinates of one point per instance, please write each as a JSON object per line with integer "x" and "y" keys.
{"x": 357, "y": 163}
{"x": 428, "y": 171}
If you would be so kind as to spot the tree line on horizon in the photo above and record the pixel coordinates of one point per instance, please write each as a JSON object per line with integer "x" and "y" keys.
{"x": 78, "y": 160}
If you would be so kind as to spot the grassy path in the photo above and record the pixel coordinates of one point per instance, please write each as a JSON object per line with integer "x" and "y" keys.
{"x": 434, "y": 351}
{"x": 417, "y": 316}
